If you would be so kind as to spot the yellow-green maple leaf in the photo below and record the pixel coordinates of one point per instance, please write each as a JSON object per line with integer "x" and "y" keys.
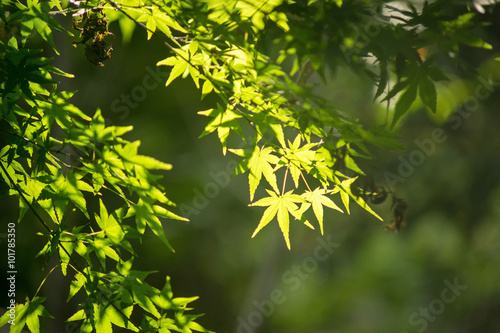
{"x": 297, "y": 157}
{"x": 345, "y": 193}
{"x": 260, "y": 163}
{"x": 280, "y": 206}
{"x": 318, "y": 199}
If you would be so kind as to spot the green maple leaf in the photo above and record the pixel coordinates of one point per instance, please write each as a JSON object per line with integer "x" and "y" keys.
{"x": 280, "y": 205}
{"x": 318, "y": 199}
{"x": 147, "y": 214}
{"x": 71, "y": 187}
{"x": 223, "y": 121}
{"x": 109, "y": 225}
{"x": 260, "y": 164}
{"x": 58, "y": 109}
{"x": 297, "y": 157}
{"x": 37, "y": 17}
{"x": 346, "y": 193}
{"x": 27, "y": 314}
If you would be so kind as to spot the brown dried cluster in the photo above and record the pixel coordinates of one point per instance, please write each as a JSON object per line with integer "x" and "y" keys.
{"x": 377, "y": 195}
{"x": 95, "y": 28}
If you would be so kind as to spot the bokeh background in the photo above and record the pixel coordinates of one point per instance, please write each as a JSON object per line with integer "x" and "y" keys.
{"x": 440, "y": 274}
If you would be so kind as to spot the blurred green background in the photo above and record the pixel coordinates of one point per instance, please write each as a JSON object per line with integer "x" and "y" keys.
{"x": 373, "y": 281}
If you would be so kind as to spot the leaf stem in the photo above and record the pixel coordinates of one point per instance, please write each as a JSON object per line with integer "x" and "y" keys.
{"x": 45, "y": 278}
{"x": 388, "y": 100}
{"x": 284, "y": 182}
{"x": 305, "y": 181}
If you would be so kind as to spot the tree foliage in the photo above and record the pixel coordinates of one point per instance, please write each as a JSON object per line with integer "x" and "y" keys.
{"x": 305, "y": 148}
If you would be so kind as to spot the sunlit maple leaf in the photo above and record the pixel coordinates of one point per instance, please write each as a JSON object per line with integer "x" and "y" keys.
{"x": 280, "y": 205}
